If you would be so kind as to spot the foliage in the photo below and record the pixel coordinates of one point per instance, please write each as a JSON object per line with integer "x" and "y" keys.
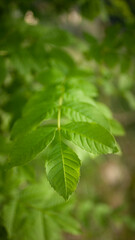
{"x": 56, "y": 117}
{"x": 50, "y": 112}
{"x": 114, "y": 60}
{"x": 32, "y": 204}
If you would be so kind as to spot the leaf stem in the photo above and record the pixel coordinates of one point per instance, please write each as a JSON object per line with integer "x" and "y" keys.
{"x": 59, "y": 112}
{"x": 60, "y": 103}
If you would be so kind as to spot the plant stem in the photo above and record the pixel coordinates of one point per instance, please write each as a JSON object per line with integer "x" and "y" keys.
{"x": 59, "y": 111}
{"x": 60, "y": 103}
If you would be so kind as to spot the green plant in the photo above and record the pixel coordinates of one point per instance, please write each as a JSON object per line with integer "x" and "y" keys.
{"x": 49, "y": 107}
{"x": 53, "y": 116}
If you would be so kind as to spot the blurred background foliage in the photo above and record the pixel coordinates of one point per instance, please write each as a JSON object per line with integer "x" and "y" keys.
{"x": 99, "y": 37}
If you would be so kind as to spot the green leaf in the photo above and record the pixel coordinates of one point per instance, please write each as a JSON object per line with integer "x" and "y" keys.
{"x": 62, "y": 167}
{"x": 32, "y": 225}
{"x": 4, "y": 145}
{"x": 104, "y": 109}
{"x": 43, "y": 97}
{"x": 50, "y": 224}
{"x": 58, "y": 37}
{"x": 116, "y": 128}
{"x": 49, "y": 75}
{"x": 9, "y": 214}
{"x": 87, "y": 87}
{"x": 33, "y": 119}
{"x": 67, "y": 223}
{"x": 84, "y": 112}
{"x": 59, "y": 55}
{"x": 91, "y": 137}
{"x": 26, "y": 147}
{"x": 77, "y": 95}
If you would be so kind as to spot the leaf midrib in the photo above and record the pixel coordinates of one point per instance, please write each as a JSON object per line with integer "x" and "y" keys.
{"x": 65, "y": 183}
